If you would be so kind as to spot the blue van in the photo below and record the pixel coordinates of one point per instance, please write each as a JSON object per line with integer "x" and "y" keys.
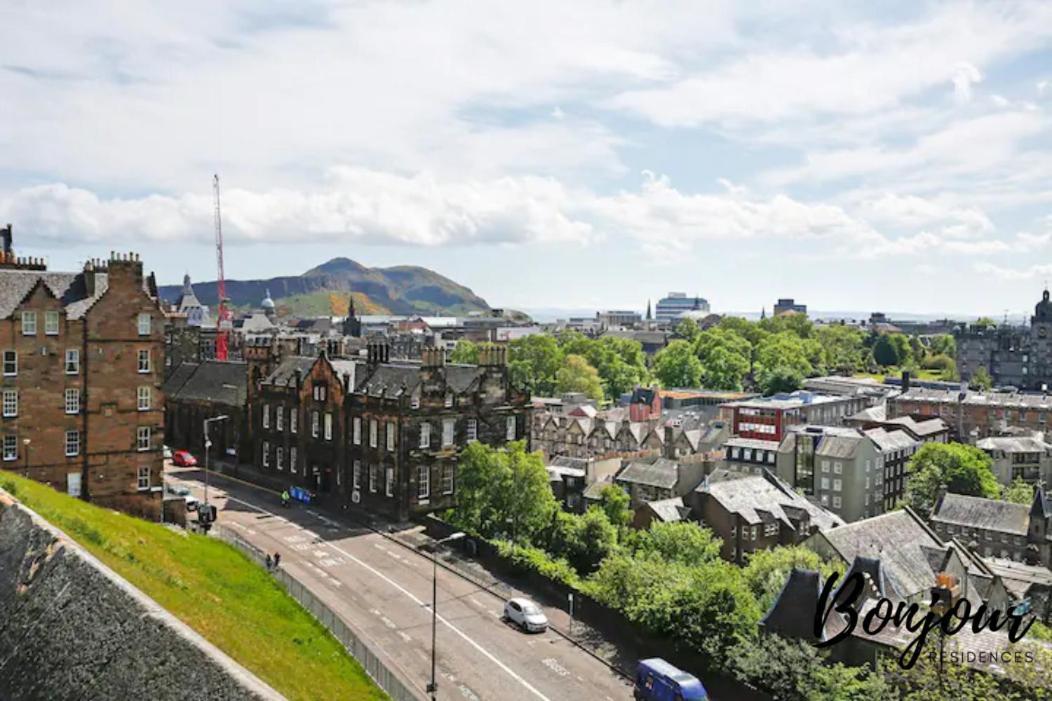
{"x": 657, "y": 680}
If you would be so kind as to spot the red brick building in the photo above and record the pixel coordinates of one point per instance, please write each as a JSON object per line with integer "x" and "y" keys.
{"x": 80, "y": 385}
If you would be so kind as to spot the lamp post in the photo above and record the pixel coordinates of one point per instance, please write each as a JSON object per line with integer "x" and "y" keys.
{"x": 26, "y": 442}
{"x": 432, "y": 688}
{"x": 208, "y": 444}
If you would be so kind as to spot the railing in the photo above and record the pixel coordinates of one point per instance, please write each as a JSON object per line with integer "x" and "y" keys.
{"x": 388, "y": 680}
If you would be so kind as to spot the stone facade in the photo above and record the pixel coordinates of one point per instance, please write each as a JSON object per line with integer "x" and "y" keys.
{"x": 1014, "y": 356}
{"x": 83, "y": 353}
{"x": 971, "y": 415}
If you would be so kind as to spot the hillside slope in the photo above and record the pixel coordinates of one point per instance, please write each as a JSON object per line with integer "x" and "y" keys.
{"x": 403, "y": 289}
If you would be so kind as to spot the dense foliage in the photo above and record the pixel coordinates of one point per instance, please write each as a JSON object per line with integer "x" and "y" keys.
{"x": 961, "y": 469}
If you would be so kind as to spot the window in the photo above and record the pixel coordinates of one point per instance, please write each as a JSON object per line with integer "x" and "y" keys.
{"x": 10, "y": 447}
{"x": 144, "y": 324}
{"x": 11, "y": 363}
{"x": 72, "y": 443}
{"x": 425, "y": 435}
{"x": 72, "y": 362}
{"x": 320, "y": 393}
{"x": 29, "y": 323}
{"x": 293, "y": 460}
{"x": 510, "y": 428}
{"x": 10, "y": 402}
{"x": 423, "y": 482}
{"x": 414, "y": 403}
{"x": 374, "y": 477}
{"x": 279, "y": 417}
{"x": 825, "y": 466}
{"x": 390, "y": 435}
{"x": 142, "y": 438}
{"x": 770, "y": 529}
{"x": 838, "y": 468}
{"x": 144, "y": 361}
{"x": 449, "y": 399}
{"x": 825, "y": 483}
{"x": 73, "y": 401}
{"x": 266, "y": 454}
{"x": 752, "y": 533}
{"x": 51, "y": 323}
{"x": 373, "y": 430}
{"x": 266, "y": 416}
{"x": 144, "y": 478}
{"x": 770, "y": 456}
{"x": 471, "y": 430}
{"x": 447, "y": 479}
{"x": 389, "y": 482}
{"x": 447, "y": 432}
{"x": 836, "y": 502}
{"x": 356, "y": 430}
{"x": 279, "y": 458}
{"x": 314, "y": 424}
{"x": 837, "y": 484}
{"x": 294, "y": 419}
{"x": 356, "y": 474}
{"x": 143, "y": 397}
{"x": 328, "y": 426}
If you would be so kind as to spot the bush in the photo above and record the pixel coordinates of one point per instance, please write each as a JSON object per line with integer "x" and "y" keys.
{"x": 526, "y": 558}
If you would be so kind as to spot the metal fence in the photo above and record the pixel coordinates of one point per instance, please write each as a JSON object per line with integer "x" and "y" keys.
{"x": 387, "y": 679}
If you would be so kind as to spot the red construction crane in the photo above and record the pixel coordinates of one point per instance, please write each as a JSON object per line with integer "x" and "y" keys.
{"x": 224, "y": 319}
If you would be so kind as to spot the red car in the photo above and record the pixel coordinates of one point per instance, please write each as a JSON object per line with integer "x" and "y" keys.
{"x": 182, "y": 458}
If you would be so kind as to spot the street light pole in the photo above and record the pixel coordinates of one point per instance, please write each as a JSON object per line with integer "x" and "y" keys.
{"x": 208, "y": 444}
{"x": 26, "y": 442}
{"x": 432, "y": 688}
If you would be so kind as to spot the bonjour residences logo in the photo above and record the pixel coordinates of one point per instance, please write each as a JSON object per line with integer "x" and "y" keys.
{"x": 948, "y": 613}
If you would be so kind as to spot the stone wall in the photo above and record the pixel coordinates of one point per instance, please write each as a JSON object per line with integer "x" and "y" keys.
{"x": 70, "y": 628}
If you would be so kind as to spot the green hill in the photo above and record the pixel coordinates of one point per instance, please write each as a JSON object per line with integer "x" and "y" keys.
{"x": 213, "y": 588}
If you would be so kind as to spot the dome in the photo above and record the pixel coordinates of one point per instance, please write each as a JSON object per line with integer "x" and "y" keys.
{"x": 267, "y": 302}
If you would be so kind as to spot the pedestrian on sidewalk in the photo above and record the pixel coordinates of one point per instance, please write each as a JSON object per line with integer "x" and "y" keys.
{"x": 277, "y": 559}
{"x": 270, "y": 562}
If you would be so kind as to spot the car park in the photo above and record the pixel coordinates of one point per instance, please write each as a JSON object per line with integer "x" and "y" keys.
{"x": 526, "y": 615}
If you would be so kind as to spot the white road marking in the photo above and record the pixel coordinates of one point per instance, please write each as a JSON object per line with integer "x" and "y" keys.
{"x": 405, "y": 636}
{"x": 468, "y": 693}
{"x": 418, "y": 602}
{"x": 553, "y": 664}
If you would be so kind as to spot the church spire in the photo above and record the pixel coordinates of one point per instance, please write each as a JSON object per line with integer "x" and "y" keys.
{"x": 649, "y": 317}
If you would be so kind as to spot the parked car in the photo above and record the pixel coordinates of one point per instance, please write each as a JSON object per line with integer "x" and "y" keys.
{"x": 526, "y": 615}
{"x": 657, "y": 680}
{"x": 167, "y": 452}
{"x": 178, "y": 490}
{"x": 182, "y": 458}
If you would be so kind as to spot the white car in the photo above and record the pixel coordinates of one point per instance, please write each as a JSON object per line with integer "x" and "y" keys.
{"x": 526, "y": 615}
{"x": 179, "y": 490}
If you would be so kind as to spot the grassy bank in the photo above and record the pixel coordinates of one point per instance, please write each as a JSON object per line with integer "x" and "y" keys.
{"x": 215, "y": 590}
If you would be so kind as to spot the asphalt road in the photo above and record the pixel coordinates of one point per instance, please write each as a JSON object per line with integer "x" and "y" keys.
{"x": 383, "y": 590}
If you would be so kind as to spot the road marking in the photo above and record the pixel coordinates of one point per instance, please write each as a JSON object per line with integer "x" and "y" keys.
{"x": 553, "y": 664}
{"x": 405, "y": 636}
{"x": 486, "y": 653}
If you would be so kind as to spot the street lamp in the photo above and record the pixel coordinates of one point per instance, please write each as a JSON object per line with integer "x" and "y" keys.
{"x": 208, "y": 444}
{"x": 432, "y": 688}
{"x": 26, "y": 442}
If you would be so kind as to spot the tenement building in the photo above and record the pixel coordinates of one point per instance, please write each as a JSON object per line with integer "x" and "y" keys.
{"x": 83, "y": 358}
{"x": 383, "y": 434}
{"x": 1014, "y": 356}
{"x": 972, "y": 415}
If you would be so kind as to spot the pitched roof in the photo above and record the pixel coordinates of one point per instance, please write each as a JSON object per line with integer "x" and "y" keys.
{"x": 218, "y": 381}
{"x": 984, "y": 514}
{"x": 922, "y": 428}
{"x": 70, "y": 289}
{"x": 753, "y": 497}
{"x": 839, "y": 447}
{"x": 661, "y": 473}
{"x": 668, "y": 510}
{"x": 890, "y": 440}
{"x": 793, "y": 613}
{"x": 1013, "y": 444}
{"x": 284, "y": 374}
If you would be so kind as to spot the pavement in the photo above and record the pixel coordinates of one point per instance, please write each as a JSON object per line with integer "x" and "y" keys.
{"x": 382, "y": 589}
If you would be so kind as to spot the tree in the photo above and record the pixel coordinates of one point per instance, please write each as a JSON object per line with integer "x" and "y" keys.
{"x": 842, "y": 348}
{"x": 725, "y": 358}
{"x": 465, "y": 352}
{"x": 984, "y": 322}
{"x": 577, "y": 375}
{"x": 687, "y": 329}
{"x": 903, "y": 349}
{"x": 675, "y": 365}
{"x": 779, "y": 379}
{"x": 533, "y": 362}
{"x": 1019, "y": 492}
{"x": 748, "y": 330}
{"x": 615, "y": 503}
{"x": 767, "y": 570}
{"x": 684, "y": 542}
{"x": 785, "y": 350}
{"x": 981, "y": 380}
{"x": 885, "y": 352}
{"x": 586, "y": 540}
{"x": 962, "y": 469}
{"x": 944, "y": 344}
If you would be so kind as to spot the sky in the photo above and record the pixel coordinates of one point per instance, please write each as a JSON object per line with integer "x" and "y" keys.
{"x": 855, "y": 156}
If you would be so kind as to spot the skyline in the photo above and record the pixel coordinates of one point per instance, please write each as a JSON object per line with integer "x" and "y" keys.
{"x": 596, "y": 156}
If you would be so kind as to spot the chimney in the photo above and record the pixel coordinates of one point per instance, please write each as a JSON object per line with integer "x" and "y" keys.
{"x": 7, "y": 234}
{"x": 905, "y": 381}
{"x": 432, "y": 357}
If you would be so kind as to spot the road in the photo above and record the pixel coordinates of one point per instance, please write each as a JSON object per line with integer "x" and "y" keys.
{"x": 383, "y": 590}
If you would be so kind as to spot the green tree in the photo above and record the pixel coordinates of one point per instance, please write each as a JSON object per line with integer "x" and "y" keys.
{"x": 615, "y": 503}
{"x": 1019, "y": 492}
{"x": 767, "y": 570}
{"x": 944, "y": 344}
{"x": 589, "y": 540}
{"x": 578, "y": 375}
{"x": 797, "y": 324}
{"x": 533, "y": 362}
{"x": 465, "y": 352}
{"x": 779, "y": 379}
{"x": 981, "y": 380}
{"x": 962, "y": 469}
{"x": 903, "y": 349}
{"x": 842, "y": 348}
{"x": 684, "y": 542}
{"x": 675, "y": 365}
{"x": 984, "y": 322}
{"x": 725, "y": 358}
{"x": 687, "y": 329}
{"x": 885, "y": 352}
{"x": 785, "y": 350}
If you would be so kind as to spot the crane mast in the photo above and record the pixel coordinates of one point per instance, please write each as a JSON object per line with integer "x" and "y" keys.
{"x": 225, "y": 317}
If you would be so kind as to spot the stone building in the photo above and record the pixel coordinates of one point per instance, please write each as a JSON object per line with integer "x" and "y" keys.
{"x": 198, "y": 391}
{"x": 1027, "y": 458}
{"x": 83, "y": 357}
{"x": 974, "y": 415}
{"x": 997, "y": 528}
{"x": 1014, "y": 356}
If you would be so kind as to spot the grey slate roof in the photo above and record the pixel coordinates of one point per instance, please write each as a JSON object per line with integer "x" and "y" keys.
{"x": 661, "y": 473}
{"x": 793, "y": 613}
{"x": 890, "y": 440}
{"x": 1014, "y": 444}
{"x": 921, "y": 429}
{"x": 70, "y": 288}
{"x": 839, "y": 447}
{"x": 984, "y": 514}
{"x": 284, "y": 375}
{"x": 753, "y": 496}
{"x": 668, "y": 510}
{"x": 221, "y": 382}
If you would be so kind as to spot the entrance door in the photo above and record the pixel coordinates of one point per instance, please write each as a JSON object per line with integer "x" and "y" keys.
{"x": 73, "y": 484}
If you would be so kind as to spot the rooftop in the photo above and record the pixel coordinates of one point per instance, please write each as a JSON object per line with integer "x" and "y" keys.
{"x": 760, "y": 498}
{"x": 984, "y": 514}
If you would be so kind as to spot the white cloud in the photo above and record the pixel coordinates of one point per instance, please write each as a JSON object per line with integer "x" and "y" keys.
{"x": 965, "y": 75}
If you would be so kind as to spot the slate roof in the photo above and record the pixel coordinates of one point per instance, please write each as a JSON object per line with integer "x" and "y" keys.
{"x": 661, "y": 473}
{"x": 793, "y": 613}
{"x": 890, "y": 440}
{"x": 1014, "y": 444}
{"x": 69, "y": 288}
{"x": 284, "y": 375}
{"x": 217, "y": 381}
{"x": 839, "y": 447}
{"x": 668, "y": 510}
{"x": 763, "y": 498}
{"x": 984, "y": 514}
{"x": 921, "y": 429}
{"x": 873, "y": 413}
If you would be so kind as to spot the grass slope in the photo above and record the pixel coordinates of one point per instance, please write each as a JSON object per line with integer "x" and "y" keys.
{"x": 215, "y": 590}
